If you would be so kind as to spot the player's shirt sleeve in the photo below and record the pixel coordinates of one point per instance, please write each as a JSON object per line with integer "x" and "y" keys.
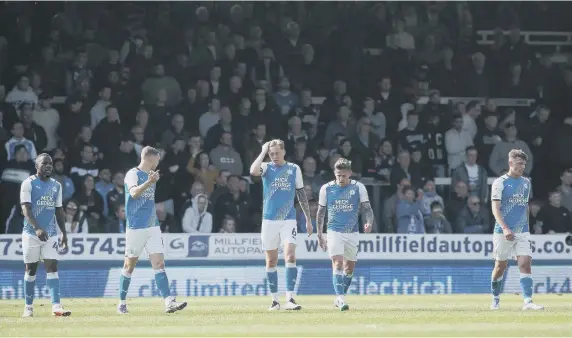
{"x": 299, "y": 179}
{"x": 263, "y": 168}
{"x": 496, "y": 190}
{"x": 529, "y": 189}
{"x": 26, "y": 191}
{"x": 323, "y": 198}
{"x": 363, "y": 196}
{"x": 59, "y": 199}
{"x": 131, "y": 179}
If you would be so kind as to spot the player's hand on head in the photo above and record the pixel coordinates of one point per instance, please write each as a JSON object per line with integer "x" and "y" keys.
{"x": 265, "y": 147}
{"x": 42, "y": 235}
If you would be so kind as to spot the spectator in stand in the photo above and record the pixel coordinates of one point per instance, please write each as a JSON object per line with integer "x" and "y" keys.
{"x": 224, "y": 125}
{"x": 77, "y": 73}
{"x": 412, "y": 133}
{"x": 103, "y": 187}
{"x": 382, "y": 162}
{"x": 390, "y": 206}
{"x": 224, "y": 157}
{"x": 166, "y": 220}
{"x": 457, "y": 201}
{"x": 221, "y": 186}
{"x": 72, "y": 119}
{"x": 196, "y": 217}
{"x": 470, "y": 116}
{"x": 476, "y": 81}
{"x": 436, "y": 222}
{"x": 116, "y": 196}
{"x": 537, "y": 135}
{"x": 376, "y": 118}
{"x": 365, "y": 142}
{"x": 76, "y": 220}
{"x": 233, "y": 203}
{"x": 107, "y": 134}
{"x": 254, "y": 141}
{"x": 473, "y": 218}
{"x": 86, "y": 166}
{"x": 299, "y": 153}
{"x": 285, "y": 99}
{"x": 203, "y": 171}
{"x": 487, "y": 137}
{"x": 228, "y": 225}
{"x": 90, "y": 202}
{"x": 99, "y": 111}
{"x": 68, "y": 188}
{"x": 534, "y": 222}
{"x": 16, "y": 171}
{"x": 457, "y": 141}
{"x": 124, "y": 156}
{"x": 22, "y": 93}
{"x": 310, "y": 176}
{"x": 499, "y": 156}
{"x": 158, "y": 81}
{"x": 430, "y": 196}
{"x": 474, "y": 175}
{"x": 117, "y": 223}
{"x": 32, "y": 131}
{"x": 47, "y": 118}
{"x": 295, "y": 132}
{"x": 559, "y": 145}
{"x": 343, "y": 125}
{"x": 555, "y": 218}
{"x": 409, "y": 216}
{"x": 403, "y": 169}
{"x": 142, "y": 121}
{"x": 210, "y": 118}
{"x": 435, "y": 145}
{"x": 177, "y": 131}
{"x": 565, "y": 189}
{"x": 19, "y": 139}
{"x": 419, "y": 164}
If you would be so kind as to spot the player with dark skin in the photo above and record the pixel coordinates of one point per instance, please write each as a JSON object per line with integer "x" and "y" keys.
{"x": 44, "y": 169}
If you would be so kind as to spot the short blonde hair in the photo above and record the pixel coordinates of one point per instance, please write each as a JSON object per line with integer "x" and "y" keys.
{"x": 517, "y": 154}
{"x": 343, "y": 164}
{"x": 149, "y": 151}
{"x": 276, "y": 142}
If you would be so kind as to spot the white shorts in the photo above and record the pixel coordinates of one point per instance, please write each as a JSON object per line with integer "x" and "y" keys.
{"x": 273, "y": 233}
{"x": 343, "y": 244}
{"x": 35, "y": 250}
{"x": 149, "y": 239}
{"x": 505, "y": 249}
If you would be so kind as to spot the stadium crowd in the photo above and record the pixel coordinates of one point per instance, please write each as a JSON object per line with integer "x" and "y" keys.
{"x": 209, "y": 83}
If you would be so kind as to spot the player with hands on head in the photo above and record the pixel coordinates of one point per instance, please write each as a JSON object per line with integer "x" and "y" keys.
{"x": 342, "y": 200}
{"x": 143, "y": 231}
{"x": 282, "y": 183}
{"x": 41, "y": 201}
{"x": 510, "y": 195}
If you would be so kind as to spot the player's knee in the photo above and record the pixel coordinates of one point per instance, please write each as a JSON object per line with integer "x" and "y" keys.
{"x": 51, "y": 265}
{"x": 271, "y": 262}
{"x": 158, "y": 265}
{"x": 31, "y": 269}
{"x": 290, "y": 258}
{"x": 128, "y": 266}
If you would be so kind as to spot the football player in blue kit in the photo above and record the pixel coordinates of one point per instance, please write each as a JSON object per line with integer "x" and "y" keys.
{"x": 282, "y": 183}
{"x": 342, "y": 199}
{"x": 41, "y": 200}
{"x": 510, "y": 195}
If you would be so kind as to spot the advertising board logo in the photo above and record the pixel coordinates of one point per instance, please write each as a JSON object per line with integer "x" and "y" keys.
{"x": 198, "y": 246}
{"x": 177, "y": 243}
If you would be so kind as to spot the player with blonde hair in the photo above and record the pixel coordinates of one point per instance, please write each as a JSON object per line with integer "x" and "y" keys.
{"x": 282, "y": 182}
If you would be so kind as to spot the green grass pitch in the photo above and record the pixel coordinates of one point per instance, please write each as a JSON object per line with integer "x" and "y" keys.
{"x": 456, "y": 315}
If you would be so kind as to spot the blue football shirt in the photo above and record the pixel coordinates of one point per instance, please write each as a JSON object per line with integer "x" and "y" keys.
{"x": 279, "y": 184}
{"x": 514, "y": 194}
{"x": 44, "y": 197}
{"x": 139, "y": 212}
{"x": 343, "y": 205}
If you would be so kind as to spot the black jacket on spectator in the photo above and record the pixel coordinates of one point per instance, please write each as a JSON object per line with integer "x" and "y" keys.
{"x": 471, "y": 223}
{"x": 237, "y": 207}
{"x": 107, "y": 136}
{"x": 461, "y": 174}
{"x": 36, "y": 134}
{"x": 414, "y": 175}
{"x": 557, "y": 219}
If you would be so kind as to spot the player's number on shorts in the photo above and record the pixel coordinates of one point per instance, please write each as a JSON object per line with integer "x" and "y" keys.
{"x": 294, "y": 233}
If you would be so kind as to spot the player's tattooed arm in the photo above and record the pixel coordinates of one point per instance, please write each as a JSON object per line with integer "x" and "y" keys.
{"x": 320, "y": 218}
{"x": 61, "y": 219}
{"x": 367, "y": 212}
{"x": 303, "y": 200}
